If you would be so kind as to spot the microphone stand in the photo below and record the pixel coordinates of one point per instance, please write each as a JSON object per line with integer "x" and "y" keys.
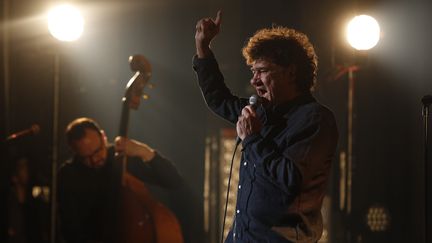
{"x": 426, "y": 100}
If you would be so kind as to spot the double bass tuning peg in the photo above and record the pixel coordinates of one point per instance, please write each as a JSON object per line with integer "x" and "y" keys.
{"x": 146, "y": 96}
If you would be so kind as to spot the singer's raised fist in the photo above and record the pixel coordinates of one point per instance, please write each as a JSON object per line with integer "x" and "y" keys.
{"x": 206, "y": 30}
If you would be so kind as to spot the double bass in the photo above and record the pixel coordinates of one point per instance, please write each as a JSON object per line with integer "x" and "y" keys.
{"x": 142, "y": 218}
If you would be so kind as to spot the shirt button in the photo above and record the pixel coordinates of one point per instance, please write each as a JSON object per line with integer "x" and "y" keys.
{"x": 239, "y": 186}
{"x": 245, "y": 163}
{"x": 234, "y": 234}
{"x": 238, "y": 211}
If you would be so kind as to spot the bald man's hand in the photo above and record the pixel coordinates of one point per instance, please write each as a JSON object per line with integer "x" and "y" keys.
{"x": 206, "y": 30}
{"x": 133, "y": 148}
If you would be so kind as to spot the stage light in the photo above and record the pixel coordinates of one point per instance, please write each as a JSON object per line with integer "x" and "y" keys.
{"x": 378, "y": 218}
{"x": 363, "y": 32}
{"x": 65, "y": 22}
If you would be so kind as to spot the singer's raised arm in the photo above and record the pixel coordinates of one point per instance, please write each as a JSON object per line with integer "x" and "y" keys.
{"x": 211, "y": 81}
{"x": 216, "y": 94}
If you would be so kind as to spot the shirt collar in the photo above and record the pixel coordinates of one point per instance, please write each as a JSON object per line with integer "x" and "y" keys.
{"x": 272, "y": 113}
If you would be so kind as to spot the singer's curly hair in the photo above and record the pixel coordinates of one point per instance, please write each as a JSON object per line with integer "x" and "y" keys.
{"x": 75, "y": 130}
{"x": 285, "y": 47}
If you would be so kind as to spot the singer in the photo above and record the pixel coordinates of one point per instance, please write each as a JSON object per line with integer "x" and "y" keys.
{"x": 288, "y": 140}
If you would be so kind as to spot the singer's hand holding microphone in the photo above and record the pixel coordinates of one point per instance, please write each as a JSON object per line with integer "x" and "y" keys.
{"x": 248, "y": 122}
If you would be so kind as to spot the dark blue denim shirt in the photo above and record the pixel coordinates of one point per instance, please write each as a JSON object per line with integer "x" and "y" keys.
{"x": 284, "y": 169}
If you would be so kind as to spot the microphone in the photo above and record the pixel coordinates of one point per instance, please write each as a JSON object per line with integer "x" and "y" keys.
{"x": 254, "y": 101}
{"x": 427, "y": 100}
{"x": 33, "y": 130}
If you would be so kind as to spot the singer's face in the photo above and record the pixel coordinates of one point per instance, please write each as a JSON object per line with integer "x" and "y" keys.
{"x": 91, "y": 149}
{"x": 273, "y": 82}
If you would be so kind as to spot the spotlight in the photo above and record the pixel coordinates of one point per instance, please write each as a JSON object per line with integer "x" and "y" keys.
{"x": 363, "y": 32}
{"x": 65, "y": 22}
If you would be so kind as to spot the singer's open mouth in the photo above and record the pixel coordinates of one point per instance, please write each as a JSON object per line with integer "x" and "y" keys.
{"x": 261, "y": 92}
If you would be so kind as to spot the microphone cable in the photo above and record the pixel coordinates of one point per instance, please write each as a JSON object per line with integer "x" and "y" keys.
{"x": 238, "y": 140}
{"x": 254, "y": 100}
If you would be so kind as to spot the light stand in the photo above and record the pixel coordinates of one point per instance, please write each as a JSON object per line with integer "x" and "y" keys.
{"x": 426, "y": 100}
{"x": 350, "y": 141}
{"x": 56, "y": 101}
{"x": 346, "y": 160}
{"x": 65, "y": 23}
{"x": 6, "y": 65}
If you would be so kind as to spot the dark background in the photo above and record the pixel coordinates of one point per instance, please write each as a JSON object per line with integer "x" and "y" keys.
{"x": 388, "y": 128}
